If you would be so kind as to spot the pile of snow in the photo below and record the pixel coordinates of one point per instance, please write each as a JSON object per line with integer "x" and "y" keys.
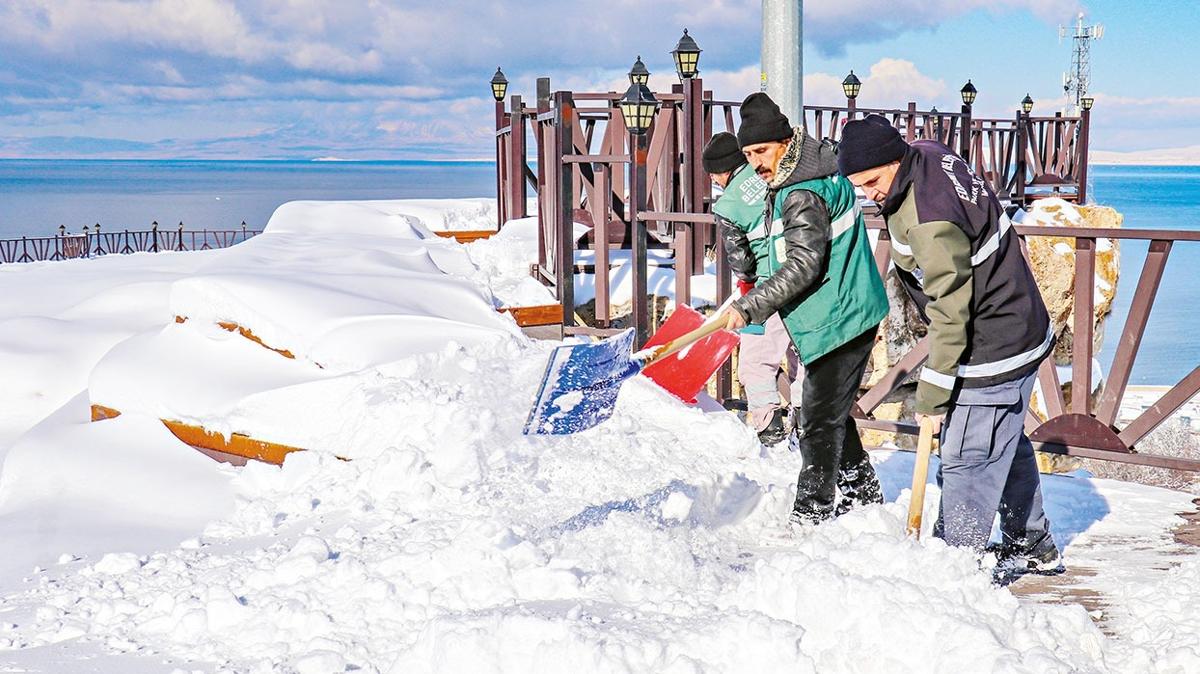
{"x": 654, "y": 542}
{"x": 343, "y": 287}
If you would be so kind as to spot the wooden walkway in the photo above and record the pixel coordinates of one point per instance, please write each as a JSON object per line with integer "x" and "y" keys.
{"x": 1089, "y": 567}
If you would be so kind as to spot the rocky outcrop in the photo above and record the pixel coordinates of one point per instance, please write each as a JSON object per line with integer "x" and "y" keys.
{"x": 1053, "y": 262}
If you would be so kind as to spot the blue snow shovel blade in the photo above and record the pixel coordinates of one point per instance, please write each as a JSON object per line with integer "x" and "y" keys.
{"x": 580, "y": 387}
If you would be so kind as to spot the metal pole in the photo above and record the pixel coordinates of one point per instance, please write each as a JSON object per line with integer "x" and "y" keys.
{"x": 1085, "y": 124}
{"x": 640, "y": 145}
{"x": 1022, "y": 130}
{"x": 851, "y": 106}
{"x": 564, "y": 264}
{"x": 964, "y": 134}
{"x": 783, "y": 57}
{"x": 500, "y": 214}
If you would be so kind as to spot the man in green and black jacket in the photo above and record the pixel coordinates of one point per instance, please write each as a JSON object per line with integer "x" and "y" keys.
{"x": 958, "y": 256}
{"x": 823, "y": 283}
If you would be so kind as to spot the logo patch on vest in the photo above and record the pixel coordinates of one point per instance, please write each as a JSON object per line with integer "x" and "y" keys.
{"x": 752, "y": 189}
{"x": 952, "y": 166}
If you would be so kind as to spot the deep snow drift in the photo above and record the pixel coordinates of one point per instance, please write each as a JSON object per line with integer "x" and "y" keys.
{"x": 452, "y": 543}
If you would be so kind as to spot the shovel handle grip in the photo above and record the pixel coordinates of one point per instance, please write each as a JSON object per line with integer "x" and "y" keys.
{"x": 916, "y": 503}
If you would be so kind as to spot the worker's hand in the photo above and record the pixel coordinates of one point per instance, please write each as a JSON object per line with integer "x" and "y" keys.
{"x": 745, "y": 286}
{"x": 935, "y": 421}
{"x": 734, "y": 320}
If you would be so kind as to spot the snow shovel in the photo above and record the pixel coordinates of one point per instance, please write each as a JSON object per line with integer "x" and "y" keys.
{"x": 686, "y": 372}
{"x": 580, "y": 387}
{"x": 916, "y": 503}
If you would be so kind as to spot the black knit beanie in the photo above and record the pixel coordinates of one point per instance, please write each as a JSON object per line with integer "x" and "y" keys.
{"x": 722, "y": 153}
{"x": 762, "y": 121}
{"x": 867, "y": 143}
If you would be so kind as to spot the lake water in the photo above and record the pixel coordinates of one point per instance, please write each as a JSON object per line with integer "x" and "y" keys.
{"x": 36, "y": 196}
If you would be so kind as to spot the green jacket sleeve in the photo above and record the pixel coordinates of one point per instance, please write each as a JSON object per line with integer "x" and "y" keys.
{"x": 943, "y": 253}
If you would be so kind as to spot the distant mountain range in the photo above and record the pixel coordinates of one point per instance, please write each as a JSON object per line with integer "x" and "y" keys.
{"x": 1175, "y": 156}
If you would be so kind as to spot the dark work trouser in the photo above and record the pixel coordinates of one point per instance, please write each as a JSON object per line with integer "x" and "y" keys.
{"x": 987, "y": 466}
{"x": 828, "y": 435}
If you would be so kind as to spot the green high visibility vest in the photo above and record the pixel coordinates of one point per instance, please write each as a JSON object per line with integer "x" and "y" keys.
{"x": 850, "y": 298}
{"x": 742, "y": 204}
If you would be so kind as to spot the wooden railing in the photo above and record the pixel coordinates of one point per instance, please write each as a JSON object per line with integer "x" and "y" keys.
{"x": 1082, "y": 428}
{"x": 584, "y": 172}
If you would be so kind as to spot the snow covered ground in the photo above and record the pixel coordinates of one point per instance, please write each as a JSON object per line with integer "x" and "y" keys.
{"x": 452, "y": 543}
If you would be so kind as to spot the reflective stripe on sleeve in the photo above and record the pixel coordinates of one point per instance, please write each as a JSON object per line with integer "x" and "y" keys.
{"x": 993, "y": 243}
{"x": 1008, "y": 364}
{"x": 936, "y": 378}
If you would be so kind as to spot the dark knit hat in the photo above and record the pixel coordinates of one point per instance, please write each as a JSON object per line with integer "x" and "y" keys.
{"x": 762, "y": 121}
{"x": 722, "y": 153}
{"x": 867, "y": 143}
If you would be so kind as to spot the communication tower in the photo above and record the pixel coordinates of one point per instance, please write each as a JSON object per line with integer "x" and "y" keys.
{"x": 1077, "y": 81}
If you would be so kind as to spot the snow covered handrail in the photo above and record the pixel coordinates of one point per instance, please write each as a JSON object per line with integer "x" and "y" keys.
{"x": 94, "y": 242}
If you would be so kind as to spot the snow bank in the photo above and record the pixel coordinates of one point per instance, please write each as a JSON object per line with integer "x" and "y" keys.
{"x": 341, "y": 287}
{"x": 466, "y": 546}
{"x": 57, "y": 319}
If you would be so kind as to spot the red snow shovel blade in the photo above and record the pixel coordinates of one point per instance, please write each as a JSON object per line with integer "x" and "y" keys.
{"x": 685, "y": 373}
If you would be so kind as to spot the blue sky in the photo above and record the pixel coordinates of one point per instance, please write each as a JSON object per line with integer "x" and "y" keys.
{"x": 396, "y": 79}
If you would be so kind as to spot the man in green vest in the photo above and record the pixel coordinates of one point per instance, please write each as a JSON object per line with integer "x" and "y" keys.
{"x": 823, "y": 283}
{"x": 764, "y": 348}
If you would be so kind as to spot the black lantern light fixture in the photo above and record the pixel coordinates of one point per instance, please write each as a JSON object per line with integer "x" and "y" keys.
{"x": 1086, "y": 102}
{"x": 687, "y": 56}
{"x": 851, "y": 85}
{"x": 1027, "y": 104}
{"x": 499, "y": 85}
{"x": 638, "y": 73}
{"x": 638, "y": 106}
{"x": 968, "y": 93}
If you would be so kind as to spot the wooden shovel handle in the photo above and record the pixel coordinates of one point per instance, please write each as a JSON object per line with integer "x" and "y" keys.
{"x": 661, "y": 351}
{"x": 916, "y": 503}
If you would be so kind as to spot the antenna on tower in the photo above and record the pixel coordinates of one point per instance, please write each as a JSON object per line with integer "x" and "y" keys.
{"x": 1077, "y": 81}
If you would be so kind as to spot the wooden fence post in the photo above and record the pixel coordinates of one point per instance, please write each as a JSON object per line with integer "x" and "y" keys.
{"x": 516, "y": 156}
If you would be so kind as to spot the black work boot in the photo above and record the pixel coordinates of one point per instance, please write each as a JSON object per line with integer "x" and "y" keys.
{"x": 815, "y": 488}
{"x": 1014, "y": 560}
{"x": 776, "y": 430}
{"x": 858, "y": 486}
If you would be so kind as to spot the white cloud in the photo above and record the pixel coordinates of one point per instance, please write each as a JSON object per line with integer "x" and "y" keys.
{"x": 831, "y": 24}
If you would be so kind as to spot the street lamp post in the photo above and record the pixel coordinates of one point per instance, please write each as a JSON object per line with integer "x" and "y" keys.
{"x": 687, "y": 57}
{"x": 1022, "y": 143}
{"x": 851, "y": 86}
{"x": 1085, "y": 124}
{"x": 638, "y": 74}
{"x": 638, "y": 107}
{"x": 499, "y": 86}
{"x": 968, "y": 93}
